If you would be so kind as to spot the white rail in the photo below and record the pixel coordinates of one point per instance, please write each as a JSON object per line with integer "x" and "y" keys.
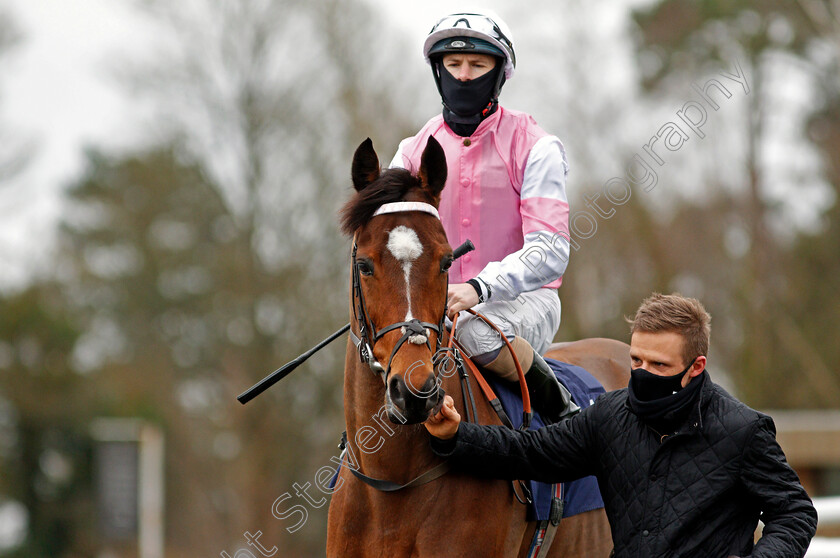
{"x": 828, "y": 510}
{"x": 824, "y": 547}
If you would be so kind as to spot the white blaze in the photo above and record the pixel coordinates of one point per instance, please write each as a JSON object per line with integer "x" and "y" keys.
{"x": 405, "y": 246}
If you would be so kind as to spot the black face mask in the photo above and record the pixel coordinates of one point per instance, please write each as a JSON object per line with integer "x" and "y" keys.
{"x": 467, "y": 98}
{"x": 649, "y": 387}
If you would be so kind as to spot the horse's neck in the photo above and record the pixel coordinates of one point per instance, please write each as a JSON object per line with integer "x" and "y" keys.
{"x": 382, "y": 448}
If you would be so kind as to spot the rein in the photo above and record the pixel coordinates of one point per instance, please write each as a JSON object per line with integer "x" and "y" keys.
{"x": 389, "y": 486}
{"x": 485, "y": 387}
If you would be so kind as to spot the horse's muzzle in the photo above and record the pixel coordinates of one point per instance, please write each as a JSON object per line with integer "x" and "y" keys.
{"x": 412, "y": 406}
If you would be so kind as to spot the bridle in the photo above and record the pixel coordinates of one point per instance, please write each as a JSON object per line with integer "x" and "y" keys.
{"x": 368, "y": 333}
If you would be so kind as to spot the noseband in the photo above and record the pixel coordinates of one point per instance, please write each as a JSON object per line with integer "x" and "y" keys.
{"x": 368, "y": 334}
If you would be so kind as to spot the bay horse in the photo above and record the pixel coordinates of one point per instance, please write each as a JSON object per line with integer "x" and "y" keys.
{"x": 393, "y": 497}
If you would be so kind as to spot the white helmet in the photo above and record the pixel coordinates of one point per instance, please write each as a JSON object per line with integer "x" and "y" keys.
{"x": 493, "y": 35}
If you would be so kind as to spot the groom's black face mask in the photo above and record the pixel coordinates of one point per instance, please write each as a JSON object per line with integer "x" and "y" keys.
{"x": 648, "y": 386}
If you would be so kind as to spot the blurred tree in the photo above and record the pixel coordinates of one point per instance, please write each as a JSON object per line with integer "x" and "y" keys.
{"x": 43, "y": 445}
{"x": 144, "y": 248}
{"x": 777, "y": 43}
{"x": 44, "y": 412}
{"x": 201, "y": 266}
{"x": 174, "y": 329}
{"x": 812, "y": 260}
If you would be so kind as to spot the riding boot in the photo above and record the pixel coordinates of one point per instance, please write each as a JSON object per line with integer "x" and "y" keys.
{"x": 549, "y": 397}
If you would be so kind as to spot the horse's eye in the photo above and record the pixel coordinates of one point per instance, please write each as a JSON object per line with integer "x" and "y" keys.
{"x": 446, "y": 263}
{"x": 365, "y": 268}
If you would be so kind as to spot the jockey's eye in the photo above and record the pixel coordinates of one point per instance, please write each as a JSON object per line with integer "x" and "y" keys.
{"x": 446, "y": 263}
{"x": 365, "y": 267}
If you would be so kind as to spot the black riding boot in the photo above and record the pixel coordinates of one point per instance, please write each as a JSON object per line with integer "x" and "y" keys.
{"x": 549, "y": 397}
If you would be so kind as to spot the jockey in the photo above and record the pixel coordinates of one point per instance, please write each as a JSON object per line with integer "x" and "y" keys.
{"x": 505, "y": 190}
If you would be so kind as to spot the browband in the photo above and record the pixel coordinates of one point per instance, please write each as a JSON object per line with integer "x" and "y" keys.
{"x": 397, "y": 207}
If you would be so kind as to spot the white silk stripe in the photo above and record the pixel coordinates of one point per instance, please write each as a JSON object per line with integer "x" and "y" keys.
{"x": 541, "y": 260}
{"x": 545, "y": 173}
{"x": 405, "y": 246}
{"x": 398, "y": 207}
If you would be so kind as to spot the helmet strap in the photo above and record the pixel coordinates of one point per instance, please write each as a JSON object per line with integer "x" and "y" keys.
{"x": 500, "y": 81}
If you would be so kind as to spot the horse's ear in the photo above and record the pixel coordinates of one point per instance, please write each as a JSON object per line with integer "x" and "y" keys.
{"x": 365, "y": 167}
{"x": 433, "y": 168}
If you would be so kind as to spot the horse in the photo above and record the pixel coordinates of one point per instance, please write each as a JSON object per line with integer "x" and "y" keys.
{"x": 393, "y": 496}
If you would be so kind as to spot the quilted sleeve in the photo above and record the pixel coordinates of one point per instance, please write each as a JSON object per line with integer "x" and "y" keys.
{"x": 789, "y": 517}
{"x": 557, "y": 453}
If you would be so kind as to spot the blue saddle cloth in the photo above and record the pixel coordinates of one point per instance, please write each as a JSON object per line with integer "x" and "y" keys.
{"x": 578, "y": 496}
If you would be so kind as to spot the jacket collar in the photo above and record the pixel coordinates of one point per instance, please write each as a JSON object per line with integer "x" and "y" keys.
{"x": 485, "y": 125}
{"x": 694, "y": 420}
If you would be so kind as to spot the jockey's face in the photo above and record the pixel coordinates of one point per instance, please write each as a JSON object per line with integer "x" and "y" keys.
{"x": 465, "y": 67}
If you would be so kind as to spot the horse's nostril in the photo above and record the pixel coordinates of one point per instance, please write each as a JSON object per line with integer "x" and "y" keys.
{"x": 430, "y": 390}
{"x": 414, "y": 404}
{"x": 403, "y": 394}
{"x": 397, "y": 391}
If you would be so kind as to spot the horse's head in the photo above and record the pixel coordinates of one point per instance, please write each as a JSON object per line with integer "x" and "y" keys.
{"x": 400, "y": 262}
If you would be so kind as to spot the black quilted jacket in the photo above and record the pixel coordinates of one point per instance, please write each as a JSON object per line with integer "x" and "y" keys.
{"x": 696, "y": 493}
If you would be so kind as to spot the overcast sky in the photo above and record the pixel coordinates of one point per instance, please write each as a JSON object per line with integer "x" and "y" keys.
{"x": 54, "y": 93}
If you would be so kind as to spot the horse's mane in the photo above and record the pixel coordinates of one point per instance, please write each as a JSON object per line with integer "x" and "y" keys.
{"x": 391, "y": 186}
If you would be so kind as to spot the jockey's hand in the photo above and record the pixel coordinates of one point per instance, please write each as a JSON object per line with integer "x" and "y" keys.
{"x": 460, "y": 297}
{"x": 444, "y": 424}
